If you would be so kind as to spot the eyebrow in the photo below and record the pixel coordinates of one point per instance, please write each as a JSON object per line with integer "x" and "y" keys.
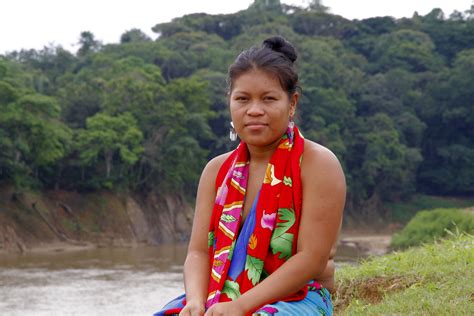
{"x": 245, "y": 92}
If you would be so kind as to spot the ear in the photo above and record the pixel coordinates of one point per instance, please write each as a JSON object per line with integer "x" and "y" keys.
{"x": 293, "y": 102}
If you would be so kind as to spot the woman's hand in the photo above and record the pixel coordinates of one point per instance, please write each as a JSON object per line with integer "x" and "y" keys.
{"x": 226, "y": 309}
{"x": 193, "y": 308}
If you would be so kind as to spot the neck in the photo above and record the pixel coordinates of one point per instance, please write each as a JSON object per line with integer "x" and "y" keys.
{"x": 262, "y": 153}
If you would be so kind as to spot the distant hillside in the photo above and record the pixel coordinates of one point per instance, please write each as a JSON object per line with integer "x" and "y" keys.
{"x": 391, "y": 98}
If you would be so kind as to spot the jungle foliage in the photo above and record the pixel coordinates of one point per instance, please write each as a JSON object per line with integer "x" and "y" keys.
{"x": 393, "y": 99}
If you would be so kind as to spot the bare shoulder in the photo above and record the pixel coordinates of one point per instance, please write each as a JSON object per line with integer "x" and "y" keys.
{"x": 319, "y": 164}
{"x": 213, "y": 166}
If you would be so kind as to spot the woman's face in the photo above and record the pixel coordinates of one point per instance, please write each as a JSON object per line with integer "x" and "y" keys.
{"x": 259, "y": 107}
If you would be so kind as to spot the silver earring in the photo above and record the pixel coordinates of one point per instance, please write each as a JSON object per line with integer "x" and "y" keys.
{"x": 232, "y": 132}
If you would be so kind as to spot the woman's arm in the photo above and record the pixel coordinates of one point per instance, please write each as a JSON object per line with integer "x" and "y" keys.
{"x": 324, "y": 192}
{"x": 196, "y": 266}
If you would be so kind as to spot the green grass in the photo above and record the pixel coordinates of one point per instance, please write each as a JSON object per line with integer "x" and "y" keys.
{"x": 430, "y": 225}
{"x": 435, "y": 279}
{"x": 403, "y": 211}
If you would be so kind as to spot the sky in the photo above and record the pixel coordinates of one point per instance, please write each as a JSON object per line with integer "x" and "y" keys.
{"x": 26, "y": 24}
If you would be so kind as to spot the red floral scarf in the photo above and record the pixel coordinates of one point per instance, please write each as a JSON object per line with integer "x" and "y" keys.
{"x": 277, "y": 219}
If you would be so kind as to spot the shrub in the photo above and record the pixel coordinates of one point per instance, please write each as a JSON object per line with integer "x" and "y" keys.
{"x": 430, "y": 225}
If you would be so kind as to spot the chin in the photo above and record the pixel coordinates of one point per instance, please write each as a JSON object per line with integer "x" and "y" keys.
{"x": 260, "y": 141}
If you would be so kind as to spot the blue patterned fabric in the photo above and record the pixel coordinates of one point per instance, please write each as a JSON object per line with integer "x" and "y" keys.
{"x": 239, "y": 255}
{"x": 176, "y": 303}
{"x": 317, "y": 302}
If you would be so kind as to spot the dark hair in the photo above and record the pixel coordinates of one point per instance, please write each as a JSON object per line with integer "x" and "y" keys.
{"x": 276, "y": 55}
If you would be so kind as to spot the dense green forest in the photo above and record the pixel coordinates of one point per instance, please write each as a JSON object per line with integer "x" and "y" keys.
{"x": 392, "y": 98}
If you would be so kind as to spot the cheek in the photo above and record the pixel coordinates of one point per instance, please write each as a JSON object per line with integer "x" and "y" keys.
{"x": 236, "y": 117}
{"x": 236, "y": 110}
{"x": 283, "y": 114}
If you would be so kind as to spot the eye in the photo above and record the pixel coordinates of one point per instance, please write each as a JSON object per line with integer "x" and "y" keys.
{"x": 241, "y": 98}
{"x": 269, "y": 98}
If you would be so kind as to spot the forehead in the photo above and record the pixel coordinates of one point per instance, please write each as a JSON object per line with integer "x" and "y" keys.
{"x": 256, "y": 80}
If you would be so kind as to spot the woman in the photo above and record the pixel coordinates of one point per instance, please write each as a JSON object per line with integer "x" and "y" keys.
{"x": 268, "y": 213}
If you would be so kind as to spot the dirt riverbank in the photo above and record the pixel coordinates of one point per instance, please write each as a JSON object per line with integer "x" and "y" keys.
{"x": 56, "y": 221}
{"x": 61, "y": 220}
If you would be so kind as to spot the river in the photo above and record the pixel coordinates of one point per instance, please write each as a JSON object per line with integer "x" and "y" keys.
{"x": 103, "y": 281}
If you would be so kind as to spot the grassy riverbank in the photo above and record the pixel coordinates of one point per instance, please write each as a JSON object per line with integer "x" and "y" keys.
{"x": 403, "y": 211}
{"x": 435, "y": 279}
{"x": 430, "y": 225}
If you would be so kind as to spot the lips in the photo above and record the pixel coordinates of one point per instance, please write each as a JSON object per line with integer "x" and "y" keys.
{"x": 255, "y": 126}
{"x": 251, "y": 124}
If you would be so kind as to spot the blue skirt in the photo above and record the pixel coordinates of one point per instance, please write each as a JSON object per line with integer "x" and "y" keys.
{"x": 317, "y": 302}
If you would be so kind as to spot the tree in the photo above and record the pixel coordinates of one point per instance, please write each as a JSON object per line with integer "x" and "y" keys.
{"x": 382, "y": 168}
{"x": 180, "y": 131}
{"x": 317, "y": 5}
{"x": 87, "y": 43}
{"x": 326, "y": 63}
{"x": 449, "y": 36}
{"x": 262, "y": 5}
{"x": 134, "y": 36}
{"x": 435, "y": 14}
{"x": 391, "y": 97}
{"x": 317, "y": 23}
{"x": 33, "y": 137}
{"x": 107, "y": 137}
{"x": 407, "y": 49}
{"x": 326, "y": 115}
{"x": 449, "y": 138}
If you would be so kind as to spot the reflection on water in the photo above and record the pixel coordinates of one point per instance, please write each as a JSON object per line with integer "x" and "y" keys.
{"x": 117, "y": 281}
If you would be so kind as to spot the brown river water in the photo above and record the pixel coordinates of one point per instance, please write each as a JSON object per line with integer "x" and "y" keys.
{"x": 103, "y": 281}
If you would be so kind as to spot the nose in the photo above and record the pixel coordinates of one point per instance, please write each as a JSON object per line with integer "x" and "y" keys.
{"x": 255, "y": 109}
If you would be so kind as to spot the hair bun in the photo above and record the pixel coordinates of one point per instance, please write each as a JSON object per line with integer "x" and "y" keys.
{"x": 279, "y": 44}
